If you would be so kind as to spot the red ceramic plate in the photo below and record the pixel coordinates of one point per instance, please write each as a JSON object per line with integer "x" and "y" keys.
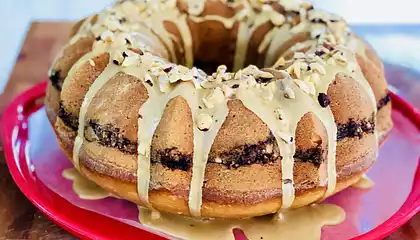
{"x": 90, "y": 225}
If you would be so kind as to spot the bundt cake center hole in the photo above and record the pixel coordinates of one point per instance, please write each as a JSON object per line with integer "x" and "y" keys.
{"x": 211, "y": 66}
{"x": 215, "y": 45}
{"x": 208, "y": 67}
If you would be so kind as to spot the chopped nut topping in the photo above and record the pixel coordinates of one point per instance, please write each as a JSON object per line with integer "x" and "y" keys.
{"x": 215, "y": 97}
{"x": 251, "y": 70}
{"x": 291, "y": 69}
{"x": 183, "y": 69}
{"x": 319, "y": 16}
{"x": 307, "y": 87}
{"x": 91, "y": 62}
{"x": 136, "y": 51}
{"x": 291, "y": 6}
{"x": 263, "y": 74}
{"x": 107, "y": 36}
{"x": 204, "y": 122}
{"x": 167, "y": 67}
{"x": 267, "y": 93}
{"x": 164, "y": 85}
{"x": 331, "y": 61}
{"x": 277, "y": 19}
{"x": 281, "y": 62}
{"x": 131, "y": 61}
{"x": 238, "y": 75}
{"x": 174, "y": 77}
{"x": 298, "y": 55}
{"x": 209, "y": 84}
{"x": 149, "y": 80}
{"x": 198, "y": 78}
{"x": 288, "y": 93}
{"x": 157, "y": 71}
{"x": 221, "y": 69}
{"x": 228, "y": 91}
{"x": 315, "y": 78}
{"x": 251, "y": 81}
{"x": 317, "y": 32}
{"x": 306, "y": 5}
{"x": 201, "y": 72}
{"x": 118, "y": 58}
{"x": 297, "y": 28}
{"x": 311, "y": 87}
{"x": 297, "y": 69}
{"x": 339, "y": 57}
{"x": 318, "y": 67}
{"x": 280, "y": 114}
{"x": 157, "y": 64}
{"x": 112, "y": 23}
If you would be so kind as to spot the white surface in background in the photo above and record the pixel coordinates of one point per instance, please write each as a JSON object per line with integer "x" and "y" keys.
{"x": 16, "y": 15}
{"x": 401, "y": 53}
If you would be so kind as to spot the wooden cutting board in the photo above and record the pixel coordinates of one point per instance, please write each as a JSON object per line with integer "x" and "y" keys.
{"x": 19, "y": 219}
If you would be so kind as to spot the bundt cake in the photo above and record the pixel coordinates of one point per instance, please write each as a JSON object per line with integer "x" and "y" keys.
{"x": 218, "y": 108}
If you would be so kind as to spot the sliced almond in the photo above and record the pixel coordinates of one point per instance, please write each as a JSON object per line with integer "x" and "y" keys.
{"x": 331, "y": 61}
{"x": 302, "y": 85}
{"x": 315, "y": 78}
{"x": 288, "y": 93}
{"x": 281, "y": 62}
{"x": 267, "y": 75}
{"x": 318, "y": 67}
{"x": 107, "y": 36}
{"x": 91, "y": 62}
{"x": 280, "y": 114}
{"x": 277, "y": 19}
{"x": 299, "y": 55}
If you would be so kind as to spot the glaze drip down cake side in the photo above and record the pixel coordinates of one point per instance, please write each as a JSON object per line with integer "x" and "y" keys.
{"x": 225, "y": 109}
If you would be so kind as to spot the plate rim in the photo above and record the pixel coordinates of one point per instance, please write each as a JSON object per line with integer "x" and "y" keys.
{"x": 14, "y": 127}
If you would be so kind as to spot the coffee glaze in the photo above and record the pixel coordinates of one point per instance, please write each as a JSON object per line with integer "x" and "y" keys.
{"x": 141, "y": 46}
{"x": 302, "y": 223}
{"x": 83, "y": 187}
{"x": 364, "y": 183}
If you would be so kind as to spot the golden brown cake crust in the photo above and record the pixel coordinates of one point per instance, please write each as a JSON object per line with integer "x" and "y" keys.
{"x": 170, "y": 201}
{"x": 116, "y": 172}
{"x": 167, "y": 202}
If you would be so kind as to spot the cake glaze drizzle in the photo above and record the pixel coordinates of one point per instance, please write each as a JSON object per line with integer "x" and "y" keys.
{"x": 288, "y": 92}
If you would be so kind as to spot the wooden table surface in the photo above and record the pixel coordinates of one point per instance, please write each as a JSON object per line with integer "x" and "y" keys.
{"x": 19, "y": 219}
